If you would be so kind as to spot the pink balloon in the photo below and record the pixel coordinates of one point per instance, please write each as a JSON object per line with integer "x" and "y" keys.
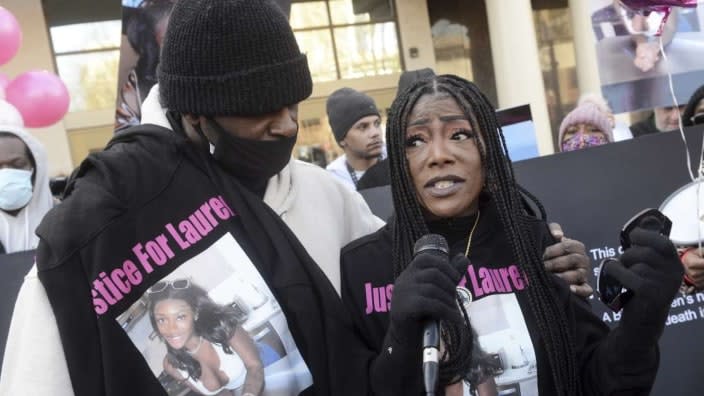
{"x": 4, "y": 80}
{"x": 40, "y": 96}
{"x": 10, "y": 35}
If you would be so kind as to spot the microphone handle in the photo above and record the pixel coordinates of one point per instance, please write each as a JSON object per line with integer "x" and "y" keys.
{"x": 431, "y": 351}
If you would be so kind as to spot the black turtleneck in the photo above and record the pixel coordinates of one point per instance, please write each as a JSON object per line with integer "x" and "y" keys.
{"x": 455, "y": 230}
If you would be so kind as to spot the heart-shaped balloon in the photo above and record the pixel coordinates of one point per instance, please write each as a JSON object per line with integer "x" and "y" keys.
{"x": 656, "y": 12}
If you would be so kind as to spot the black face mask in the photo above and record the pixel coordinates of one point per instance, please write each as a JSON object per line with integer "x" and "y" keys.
{"x": 253, "y": 162}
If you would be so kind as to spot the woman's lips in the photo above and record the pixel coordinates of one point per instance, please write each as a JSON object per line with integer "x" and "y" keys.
{"x": 444, "y": 188}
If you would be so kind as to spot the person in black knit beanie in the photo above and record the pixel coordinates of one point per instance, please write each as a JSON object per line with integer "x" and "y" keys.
{"x": 216, "y": 138}
{"x": 356, "y": 123}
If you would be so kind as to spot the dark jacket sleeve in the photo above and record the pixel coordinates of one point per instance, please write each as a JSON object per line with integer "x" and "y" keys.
{"x": 616, "y": 362}
{"x": 393, "y": 367}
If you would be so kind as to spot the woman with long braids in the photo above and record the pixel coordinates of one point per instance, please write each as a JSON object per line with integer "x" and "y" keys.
{"x": 207, "y": 348}
{"x": 451, "y": 175}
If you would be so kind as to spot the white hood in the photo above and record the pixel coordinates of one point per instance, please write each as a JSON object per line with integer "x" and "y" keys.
{"x": 17, "y": 233}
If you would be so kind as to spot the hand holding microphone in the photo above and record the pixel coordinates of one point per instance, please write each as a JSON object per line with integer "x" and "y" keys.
{"x": 424, "y": 294}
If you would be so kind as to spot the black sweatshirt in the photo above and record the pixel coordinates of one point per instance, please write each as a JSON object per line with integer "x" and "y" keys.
{"x": 500, "y": 316}
{"x": 152, "y": 207}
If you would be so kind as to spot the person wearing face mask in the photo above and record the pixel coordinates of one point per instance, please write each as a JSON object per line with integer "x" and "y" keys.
{"x": 356, "y": 124}
{"x": 25, "y": 196}
{"x": 585, "y": 126}
{"x": 212, "y": 171}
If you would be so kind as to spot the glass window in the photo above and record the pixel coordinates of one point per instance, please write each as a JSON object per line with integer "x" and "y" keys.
{"x": 87, "y": 57}
{"x": 91, "y": 79}
{"x": 86, "y": 36}
{"x": 309, "y": 14}
{"x": 342, "y": 13}
{"x": 317, "y": 45}
{"x": 367, "y": 50}
{"x": 347, "y": 38}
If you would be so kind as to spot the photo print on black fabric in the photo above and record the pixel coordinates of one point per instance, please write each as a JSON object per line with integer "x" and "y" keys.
{"x": 213, "y": 326}
{"x": 503, "y": 355}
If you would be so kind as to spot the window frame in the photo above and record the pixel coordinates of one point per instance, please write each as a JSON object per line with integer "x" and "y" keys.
{"x": 331, "y": 26}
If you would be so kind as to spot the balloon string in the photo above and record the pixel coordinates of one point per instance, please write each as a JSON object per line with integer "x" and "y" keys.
{"x": 679, "y": 117}
{"x": 700, "y": 171}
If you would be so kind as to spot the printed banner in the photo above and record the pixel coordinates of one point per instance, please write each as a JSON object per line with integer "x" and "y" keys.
{"x": 633, "y": 74}
{"x": 592, "y": 193}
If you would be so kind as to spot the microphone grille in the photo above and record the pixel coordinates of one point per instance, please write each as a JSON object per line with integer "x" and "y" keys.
{"x": 431, "y": 242}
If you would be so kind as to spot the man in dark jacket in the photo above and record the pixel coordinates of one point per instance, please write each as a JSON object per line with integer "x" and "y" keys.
{"x": 164, "y": 269}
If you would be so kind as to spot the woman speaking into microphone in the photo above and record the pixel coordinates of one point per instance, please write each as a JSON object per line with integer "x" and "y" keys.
{"x": 521, "y": 328}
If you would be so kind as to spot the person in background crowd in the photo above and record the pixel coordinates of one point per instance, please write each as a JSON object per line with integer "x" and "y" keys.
{"x": 663, "y": 119}
{"x": 585, "y": 126}
{"x": 693, "y": 113}
{"x": 620, "y": 129}
{"x": 25, "y": 196}
{"x": 451, "y": 176}
{"x": 356, "y": 124}
{"x": 145, "y": 32}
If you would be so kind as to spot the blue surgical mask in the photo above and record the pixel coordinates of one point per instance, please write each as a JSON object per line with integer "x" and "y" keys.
{"x": 15, "y": 188}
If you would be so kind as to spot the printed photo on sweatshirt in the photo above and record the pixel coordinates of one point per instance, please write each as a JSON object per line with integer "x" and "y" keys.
{"x": 505, "y": 362}
{"x": 212, "y": 326}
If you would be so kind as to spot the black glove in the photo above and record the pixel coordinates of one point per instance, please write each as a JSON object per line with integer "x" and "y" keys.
{"x": 425, "y": 290}
{"x": 657, "y": 275}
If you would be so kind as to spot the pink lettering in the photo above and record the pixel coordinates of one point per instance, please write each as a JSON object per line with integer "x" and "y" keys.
{"x": 175, "y": 235}
{"x": 142, "y": 257}
{"x": 219, "y": 208}
{"x": 205, "y": 209}
{"x": 478, "y": 291}
{"x": 232, "y": 212}
{"x": 99, "y": 304}
{"x": 133, "y": 274}
{"x": 117, "y": 276}
{"x": 368, "y": 297}
{"x": 516, "y": 277}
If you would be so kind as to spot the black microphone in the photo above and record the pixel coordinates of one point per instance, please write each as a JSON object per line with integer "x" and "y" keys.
{"x": 431, "y": 244}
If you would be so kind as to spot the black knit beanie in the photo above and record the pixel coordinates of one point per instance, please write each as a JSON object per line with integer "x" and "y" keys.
{"x": 231, "y": 57}
{"x": 410, "y": 77}
{"x": 347, "y": 106}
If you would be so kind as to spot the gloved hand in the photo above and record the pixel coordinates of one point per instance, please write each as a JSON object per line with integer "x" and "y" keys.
{"x": 425, "y": 290}
{"x": 657, "y": 275}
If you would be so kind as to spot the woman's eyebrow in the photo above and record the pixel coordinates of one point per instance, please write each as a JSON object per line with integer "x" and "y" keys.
{"x": 419, "y": 121}
{"x": 458, "y": 117}
{"x": 447, "y": 118}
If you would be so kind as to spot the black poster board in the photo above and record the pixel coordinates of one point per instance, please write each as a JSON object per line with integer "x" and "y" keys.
{"x": 593, "y": 192}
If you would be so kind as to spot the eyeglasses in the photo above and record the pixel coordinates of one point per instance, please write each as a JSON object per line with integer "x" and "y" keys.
{"x": 176, "y": 284}
{"x": 697, "y": 119}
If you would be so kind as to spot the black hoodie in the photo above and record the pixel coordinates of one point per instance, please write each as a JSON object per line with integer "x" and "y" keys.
{"x": 153, "y": 206}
